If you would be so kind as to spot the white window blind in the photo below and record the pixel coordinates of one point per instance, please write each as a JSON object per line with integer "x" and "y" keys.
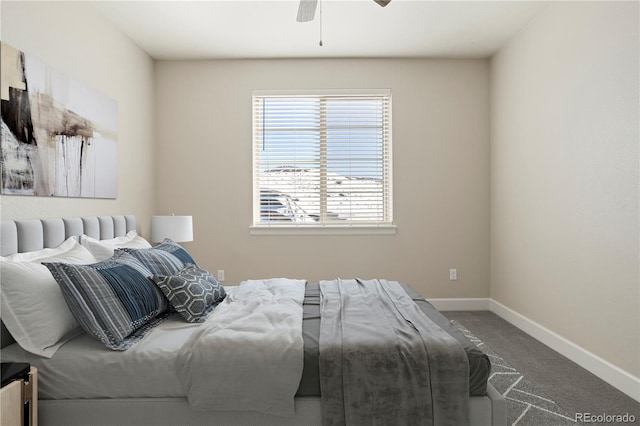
{"x": 322, "y": 159}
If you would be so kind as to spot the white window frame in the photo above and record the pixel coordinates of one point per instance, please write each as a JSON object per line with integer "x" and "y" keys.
{"x": 385, "y": 226}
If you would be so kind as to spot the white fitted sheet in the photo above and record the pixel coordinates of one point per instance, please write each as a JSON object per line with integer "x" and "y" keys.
{"x": 84, "y": 368}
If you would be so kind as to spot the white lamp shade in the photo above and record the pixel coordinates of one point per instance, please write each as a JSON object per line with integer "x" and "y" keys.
{"x": 178, "y": 228}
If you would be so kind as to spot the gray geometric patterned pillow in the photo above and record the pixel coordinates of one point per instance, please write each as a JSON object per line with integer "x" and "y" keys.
{"x": 193, "y": 292}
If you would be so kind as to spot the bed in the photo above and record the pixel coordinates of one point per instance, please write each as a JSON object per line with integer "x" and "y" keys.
{"x": 83, "y": 382}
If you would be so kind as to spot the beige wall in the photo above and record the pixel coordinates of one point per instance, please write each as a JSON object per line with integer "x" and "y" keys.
{"x": 558, "y": 186}
{"x": 73, "y": 39}
{"x": 441, "y": 170}
{"x": 564, "y": 177}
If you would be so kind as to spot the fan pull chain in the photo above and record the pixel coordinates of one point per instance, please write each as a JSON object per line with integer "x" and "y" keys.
{"x": 320, "y": 24}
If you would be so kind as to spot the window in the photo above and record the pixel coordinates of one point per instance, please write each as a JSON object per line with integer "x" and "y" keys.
{"x": 322, "y": 159}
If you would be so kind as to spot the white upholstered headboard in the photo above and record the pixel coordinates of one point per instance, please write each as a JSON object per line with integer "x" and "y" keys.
{"x": 19, "y": 236}
{"x": 24, "y": 235}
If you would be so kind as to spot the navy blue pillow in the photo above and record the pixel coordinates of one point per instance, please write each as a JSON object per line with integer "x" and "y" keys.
{"x": 167, "y": 258}
{"x": 175, "y": 249}
{"x": 113, "y": 300}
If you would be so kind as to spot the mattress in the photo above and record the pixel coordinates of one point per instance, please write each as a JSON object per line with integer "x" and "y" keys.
{"x": 84, "y": 368}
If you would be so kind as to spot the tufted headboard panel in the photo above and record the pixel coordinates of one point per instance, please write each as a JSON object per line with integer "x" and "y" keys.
{"x": 24, "y": 235}
{"x": 20, "y": 236}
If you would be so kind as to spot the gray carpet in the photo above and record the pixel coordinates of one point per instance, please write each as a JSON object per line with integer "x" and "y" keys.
{"x": 526, "y": 403}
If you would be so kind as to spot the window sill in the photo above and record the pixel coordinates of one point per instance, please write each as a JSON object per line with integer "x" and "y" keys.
{"x": 323, "y": 230}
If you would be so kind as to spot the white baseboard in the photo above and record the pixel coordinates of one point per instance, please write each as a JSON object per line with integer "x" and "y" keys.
{"x": 608, "y": 372}
{"x": 479, "y": 304}
{"x": 616, "y": 377}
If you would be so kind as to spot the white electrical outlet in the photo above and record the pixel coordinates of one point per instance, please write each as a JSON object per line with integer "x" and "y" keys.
{"x": 220, "y": 274}
{"x": 453, "y": 274}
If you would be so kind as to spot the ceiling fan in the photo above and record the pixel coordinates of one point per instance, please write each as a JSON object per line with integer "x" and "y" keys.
{"x": 307, "y": 9}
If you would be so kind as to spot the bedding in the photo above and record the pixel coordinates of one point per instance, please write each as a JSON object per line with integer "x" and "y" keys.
{"x": 103, "y": 249}
{"x": 67, "y": 250}
{"x": 33, "y": 307}
{"x": 479, "y": 364}
{"x": 249, "y": 355}
{"x": 146, "y": 375}
{"x": 167, "y": 258}
{"x": 146, "y": 370}
{"x": 383, "y": 361}
{"x": 113, "y": 300}
{"x": 193, "y": 292}
{"x": 72, "y": 372}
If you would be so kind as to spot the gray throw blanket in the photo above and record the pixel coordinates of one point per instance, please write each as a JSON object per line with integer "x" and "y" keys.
{"x": 383, "y": 362}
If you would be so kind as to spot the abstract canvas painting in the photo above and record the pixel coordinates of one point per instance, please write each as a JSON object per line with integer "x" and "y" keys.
{"x": 59, "y": 137}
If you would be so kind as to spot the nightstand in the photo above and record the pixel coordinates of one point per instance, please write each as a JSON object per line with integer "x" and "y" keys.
{"x": 19, "y": 395}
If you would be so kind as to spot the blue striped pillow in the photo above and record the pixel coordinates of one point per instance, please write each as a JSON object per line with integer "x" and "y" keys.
{"x": 113, "y": 300}
{"x": 175, "y": 249}
{"x": 167, "y": 258}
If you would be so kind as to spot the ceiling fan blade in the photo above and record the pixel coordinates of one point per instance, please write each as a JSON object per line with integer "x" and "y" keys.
{"x": 307, "y": 10}
{"x": 383, "y": 3}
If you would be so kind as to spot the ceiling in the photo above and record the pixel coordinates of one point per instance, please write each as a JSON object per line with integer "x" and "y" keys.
{"x": 358, "y": 28}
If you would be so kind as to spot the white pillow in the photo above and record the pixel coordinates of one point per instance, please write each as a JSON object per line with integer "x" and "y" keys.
{"x": 32, "y": 305}
{"x": 33, "y": 256}
{"x": 103, "y": 249}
